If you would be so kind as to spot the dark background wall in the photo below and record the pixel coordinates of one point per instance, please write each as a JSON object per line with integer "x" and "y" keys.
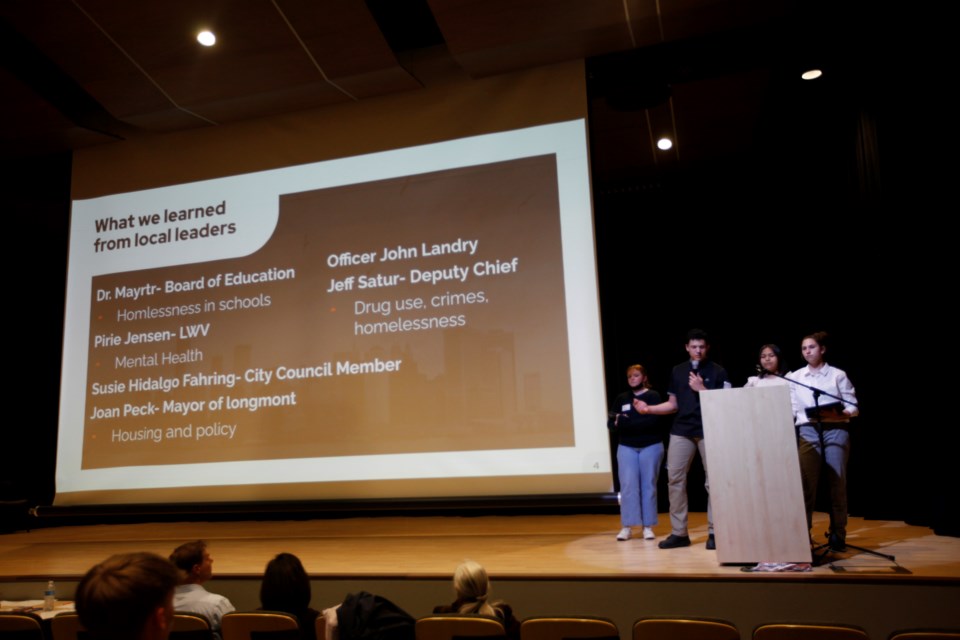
{"x": 807, "y": 231}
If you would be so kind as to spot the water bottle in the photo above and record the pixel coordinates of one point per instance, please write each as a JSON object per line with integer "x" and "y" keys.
{"x": 49, "y": 596}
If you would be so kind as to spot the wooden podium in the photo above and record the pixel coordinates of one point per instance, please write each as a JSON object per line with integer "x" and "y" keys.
{"x": 755, "y": 490}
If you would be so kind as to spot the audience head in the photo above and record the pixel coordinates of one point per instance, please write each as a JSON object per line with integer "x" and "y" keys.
{"x": 194, "y": 562}
{"x": 637, "y": 377}
{"x": 285, "y": 586}
{"x": 128, "y": 596}
{"x": 472, "y": 585}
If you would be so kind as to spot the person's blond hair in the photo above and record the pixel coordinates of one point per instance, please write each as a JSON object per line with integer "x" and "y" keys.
{"x": 472, "y": 585}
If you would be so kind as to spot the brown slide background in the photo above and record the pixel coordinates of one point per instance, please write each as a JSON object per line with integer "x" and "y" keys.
{"x": 499, "y": 380}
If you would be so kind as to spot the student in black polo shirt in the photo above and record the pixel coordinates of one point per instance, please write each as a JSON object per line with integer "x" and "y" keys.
{"x": 686, "y": 435}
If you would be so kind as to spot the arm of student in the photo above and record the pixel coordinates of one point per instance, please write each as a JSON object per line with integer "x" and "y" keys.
{"x": 662, "y": 409}
{"x": 849, "y": 394}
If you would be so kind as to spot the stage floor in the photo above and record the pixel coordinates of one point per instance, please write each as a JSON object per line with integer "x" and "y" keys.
{"x": 577, "y": 547}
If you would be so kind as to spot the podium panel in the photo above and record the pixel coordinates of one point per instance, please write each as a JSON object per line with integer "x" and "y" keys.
{"x": 755, "y": 490}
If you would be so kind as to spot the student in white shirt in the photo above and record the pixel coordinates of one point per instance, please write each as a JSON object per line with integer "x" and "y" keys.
{"x": 836, "y": 436}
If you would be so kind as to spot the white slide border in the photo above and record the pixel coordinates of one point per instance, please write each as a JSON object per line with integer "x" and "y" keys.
{"x": 253, "y": 201}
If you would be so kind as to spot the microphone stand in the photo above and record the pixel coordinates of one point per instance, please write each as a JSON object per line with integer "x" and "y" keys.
{"x": 825, "y": 547}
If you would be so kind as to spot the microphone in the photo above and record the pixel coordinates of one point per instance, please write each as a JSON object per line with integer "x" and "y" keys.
{"x": 761, "y": 371}
{"x": 694, "y": 366}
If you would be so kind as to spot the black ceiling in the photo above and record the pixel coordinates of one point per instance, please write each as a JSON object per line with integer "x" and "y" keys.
{"x": 721, "y": 77}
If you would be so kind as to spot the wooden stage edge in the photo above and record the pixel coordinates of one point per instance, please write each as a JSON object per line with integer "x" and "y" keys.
{"x": 569, "y": 547}
{"x": 541, "y": 565}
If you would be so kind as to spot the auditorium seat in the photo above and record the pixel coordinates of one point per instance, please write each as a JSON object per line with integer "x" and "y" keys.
{"x": 275, "y": 625}
{"x": 926, "y": 634}
{"x": 684, "y": 629}
{"x": 186, "y": 626}
{"x": 66, "y": 626}
{"x": 567, "y": 628}
{"x": 190, "y": 626}
{"x": 20, "y": 626}
{"x": 447, "y": 626}
{"x": 808, "y": 632}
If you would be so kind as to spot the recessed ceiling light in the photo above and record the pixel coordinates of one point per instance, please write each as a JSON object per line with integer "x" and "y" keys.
{"x": 811, "y": 74}
{"x": 664, "y": 144}
{"x": 206, "y": 38}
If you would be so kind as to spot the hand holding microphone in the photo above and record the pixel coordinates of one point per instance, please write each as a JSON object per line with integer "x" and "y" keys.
{"x": 695, "y": 381}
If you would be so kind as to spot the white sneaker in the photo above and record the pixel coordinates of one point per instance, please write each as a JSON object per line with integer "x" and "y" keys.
{"x": 624, "y": 534}
{"x": 648, "y": 534}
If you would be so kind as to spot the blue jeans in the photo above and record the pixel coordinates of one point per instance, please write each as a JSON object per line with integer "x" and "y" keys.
{"x": 639, "y": 470}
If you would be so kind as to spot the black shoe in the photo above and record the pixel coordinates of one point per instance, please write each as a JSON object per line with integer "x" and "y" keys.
{"x": 711, "y": 543}
{"x": 837, "y": 541}
{"x": 673, "y": 542}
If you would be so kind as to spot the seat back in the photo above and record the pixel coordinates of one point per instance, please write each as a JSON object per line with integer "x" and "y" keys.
{"x": 448, "y": 626}
{"x": 20, "y": 626}
{"x": 808, "y": 632}
{"x": 256, "y": 625}
{"x": 568, "y": 628}
{"x": 684, "y": 629}
{"x": 66, "y": 626}
{"x": 190, "y": 626}
{"x": 926, "y": 634}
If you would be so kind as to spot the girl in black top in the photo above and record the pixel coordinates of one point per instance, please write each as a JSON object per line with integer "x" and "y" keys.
{"x": 639, "y": 454}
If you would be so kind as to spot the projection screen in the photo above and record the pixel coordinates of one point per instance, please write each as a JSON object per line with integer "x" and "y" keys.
{"x": 413, "y": 321}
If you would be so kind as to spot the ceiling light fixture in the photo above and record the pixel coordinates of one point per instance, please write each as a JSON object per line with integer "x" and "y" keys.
{"x": 811, "y": 74}
{"x": 664, "y": 144}
{"x": 206, "y": 38}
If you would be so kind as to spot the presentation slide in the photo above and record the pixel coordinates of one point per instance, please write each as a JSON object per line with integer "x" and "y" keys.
{"x": 427, "y": 313}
